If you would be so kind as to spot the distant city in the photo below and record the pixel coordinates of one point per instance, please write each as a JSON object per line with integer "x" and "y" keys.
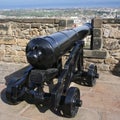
{"x": 79, "y": 15}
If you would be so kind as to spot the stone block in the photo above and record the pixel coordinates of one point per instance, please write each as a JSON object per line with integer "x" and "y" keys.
{"x": 3, "y": 26}
{"x": 115, "y": 33}
{"x": 50, "y": 30}
{"x": 20, "y": 53}
{"x": 103, "y": 67}
{"x": 111, "y": 44}
{"x": 95, "y": 54}
{"x": 8, "y": 58}
{"x": 48, "y": 21}
{"x": 3, "y": 32}
{"x": 10, "y": 30}
{"x": 34, "y": 31}
{"x": 20, "y": 59}
{"x": 62, "y": 23}
{"x": 2, "y": 53}
{"x": 97, "y": 32}
{"x": 116, "y": 54}
{"x": 10, "y": 52}
{"x": 70, "y": 23}
{"x": 42, "y": 32}
{"x": 37, "y": 20}
{"x": 97, "y": 43}
{"x": 66, "y": 23}
{"x": 111, "y": 21}
{"x": 111, "y": 61}
{"x": 22, "y": 42}
{"x": 24, "y": 25}
{"x": 56, "y": 21}
{"x": 106, "y": 32}
{"x": 2, "y": 47}
{"x": 97, "y": 22}
{"x": 27, "y": 20}
{"x": 35, "y": 25}
{"x": 50, "y": 25}
{"x": 24, "y": 32}
{"x": 92, "y": 60}
{"x": 7, "y": 41}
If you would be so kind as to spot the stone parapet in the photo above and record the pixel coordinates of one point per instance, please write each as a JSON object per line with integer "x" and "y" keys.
{"x": 16, "y": 33}
{"x": 105, "y": 41}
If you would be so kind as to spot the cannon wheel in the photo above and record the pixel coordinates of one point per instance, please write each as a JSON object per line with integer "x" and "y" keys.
{"x": 72, "y": 102}
{"x": 9, "y": 93}
{"x": 92, "y": 75}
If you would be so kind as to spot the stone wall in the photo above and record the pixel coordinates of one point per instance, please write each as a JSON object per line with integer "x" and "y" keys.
{"x": 106, "y": 44}
{"x": 16, "y": 33}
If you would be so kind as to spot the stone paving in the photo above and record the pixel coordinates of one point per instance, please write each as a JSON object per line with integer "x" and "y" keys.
{"x": 101, "y": 102}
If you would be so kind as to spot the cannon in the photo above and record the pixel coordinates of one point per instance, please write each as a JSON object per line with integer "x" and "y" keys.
{"x": 47, "y": 69}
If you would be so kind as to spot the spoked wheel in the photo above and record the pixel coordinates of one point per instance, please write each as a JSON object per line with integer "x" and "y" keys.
{"x": 92, "y": 75}
{"x": 72, "y": 102}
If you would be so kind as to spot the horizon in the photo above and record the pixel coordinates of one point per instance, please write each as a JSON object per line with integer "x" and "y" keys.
{"x": 53, "y": 4}
{"x": 56, "y": 8}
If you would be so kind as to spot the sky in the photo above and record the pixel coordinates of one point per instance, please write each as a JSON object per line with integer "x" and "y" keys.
{"x": 4, "y": 4}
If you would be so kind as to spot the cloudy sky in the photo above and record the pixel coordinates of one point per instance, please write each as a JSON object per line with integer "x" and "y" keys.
{"x": 58, "y": 3}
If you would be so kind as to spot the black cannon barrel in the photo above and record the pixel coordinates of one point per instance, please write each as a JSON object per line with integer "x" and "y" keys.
{"x": 43, "y": 52}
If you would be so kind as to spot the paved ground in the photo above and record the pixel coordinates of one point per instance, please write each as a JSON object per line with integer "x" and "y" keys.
{"x": 101, "y": 102}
